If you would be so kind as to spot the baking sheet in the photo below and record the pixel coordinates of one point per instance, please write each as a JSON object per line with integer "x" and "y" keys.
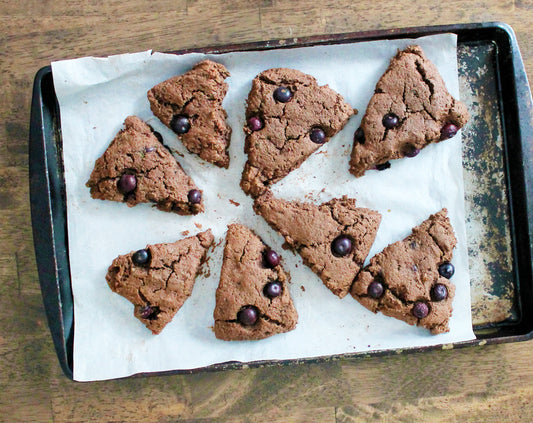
{"x": 96, "y": 94}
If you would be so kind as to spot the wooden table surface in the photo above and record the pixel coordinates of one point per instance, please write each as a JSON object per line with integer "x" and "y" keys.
{"x": 491, "y": 383}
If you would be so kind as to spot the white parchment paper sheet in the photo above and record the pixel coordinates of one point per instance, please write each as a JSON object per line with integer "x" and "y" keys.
{"x": 97, "y": 94}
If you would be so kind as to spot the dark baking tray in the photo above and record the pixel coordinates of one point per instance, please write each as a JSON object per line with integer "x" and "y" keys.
{"x": 498, "y": 153}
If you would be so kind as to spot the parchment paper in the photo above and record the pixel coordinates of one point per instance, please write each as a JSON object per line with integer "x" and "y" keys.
{"x": 97, "y": 94}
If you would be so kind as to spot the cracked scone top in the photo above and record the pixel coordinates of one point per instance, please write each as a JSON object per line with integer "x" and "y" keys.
{"x": 333, "y": 238}
{"x": 409, "y": 280}
{"x": 252, "y": 299}
{"x": 289, "y": 116}
{"x": 159, "y": 278}
{"x": 410, "y": 109}
{"x": 138, "y": 168}
{"x": 191, "y": 105}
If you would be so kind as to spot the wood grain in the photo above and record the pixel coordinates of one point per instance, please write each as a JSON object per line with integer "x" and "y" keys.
{"x": 489, "y": 383}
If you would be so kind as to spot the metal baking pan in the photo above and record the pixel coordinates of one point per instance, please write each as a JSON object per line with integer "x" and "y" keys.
{"x": 497, "y": 157}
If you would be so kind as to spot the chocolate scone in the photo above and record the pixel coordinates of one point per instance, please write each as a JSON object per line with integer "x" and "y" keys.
{"x": 410, "y": 109}
{"x": 138, "y": 168}
{"x": 289, "y": 116}
{"x": 191, "y": 105}
{"x": 333, "y": 239}
{"x": 409, "y": 280}
{"x": 252, "y": 299}
{"x": 159, "y": 278}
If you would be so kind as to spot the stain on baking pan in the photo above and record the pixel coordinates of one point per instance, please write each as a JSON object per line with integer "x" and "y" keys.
{"x": 486, "y": 194}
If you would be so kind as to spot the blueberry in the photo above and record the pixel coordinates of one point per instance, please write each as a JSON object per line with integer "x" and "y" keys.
{"x": 271, "y": 258}
{"x": 375, "y": 289}
{"x": 439, "y": 292}
{"x": 446, "y": 270}
{"x": 420, "y": 310}
{"x": 158, "y": 136}
{"x": 383, "y": 166}
{"x": 318, "y": 136}
{"x": 272, "y": 289}
{"x": 448, "y": 131}
{"x": 390, "y": 120}
{"x": 194, "y": 196}
{"x": 127, "y": 183}
{"x": 146, "y": 312}
{"x": 140, "y": 257}
{"x": 359, "y": 136}
{"x": 411, "y": 151}
{"x": 282, "y": 94}
{"x": 341, "y": 246}
{"x": 180, "y": 124}
{"x": 255, "y": 123}
{"x": 248, "y": 316}
{"x": 149, "y": 149}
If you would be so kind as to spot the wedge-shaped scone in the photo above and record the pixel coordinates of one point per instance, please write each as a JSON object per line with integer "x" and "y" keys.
{"x": 252, "y": 299}
{"x": 409, "y": 280}
{"x": 159, "y": 278}
{"x": 410, "y": 109}
{"x": 138, "y": 168}
{"x": 333, "y": 239}
{"x": 289, "y": 116}
{"x": 191, "y": 105}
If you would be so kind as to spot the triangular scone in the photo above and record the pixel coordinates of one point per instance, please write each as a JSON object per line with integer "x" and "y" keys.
{"x": 191, "y": 105}
{"x": 252, "y": 299}
{"x": 409, "y": 280}
{"x": 159, "y": 278}
{"x": 138, "y": 168}
{"x": 289, "y": 116}
{"x": 333, "y": 239}
{"x": 410, "y": 109}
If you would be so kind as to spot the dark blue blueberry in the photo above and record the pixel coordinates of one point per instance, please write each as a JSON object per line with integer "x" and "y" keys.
{"x": 127, "y": 183}
{"x": 446, "y": 270}
{"x": 180, "y": 124}
{"x": 149, "y": 149}
{"x": 146, "y": 312}
{"x": 411, "y": 151}
{"x": 140, "y": 257}
{"x": 448, "y": 131}
{"x": 272, "y": 289}
{"x": 317, "y": 136}
{"x": 383, "y": 166}
{"x": 390, "y": 120}
{"x": 341, "y": 246}
{"x": 282, "y": 94}
{"x": 420, "y": 310}
{"x": 439, "y": 292}
{"x": 359, "y": 136}
{"x": 248, "y": 316}
{"x": 375, "y": 289}
{"x": 255, "y": 123}
{"x": 271, "y": 258}
{"x": 194, "y": 196}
